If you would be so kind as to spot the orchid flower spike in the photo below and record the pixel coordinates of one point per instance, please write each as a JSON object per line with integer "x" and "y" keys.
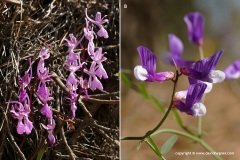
{"x": 147, "y": 71}
{"x": 233, "y": 70}
{"x": 204, "y": 70}
{"x": 176, "y": 50}
{"x": 195, "y": 24}
{"x": 192, "y": 105}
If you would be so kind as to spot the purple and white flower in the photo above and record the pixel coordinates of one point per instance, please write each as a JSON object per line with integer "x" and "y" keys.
{"x": 204, "y": 70}
{"x": 192, "y": 105}
{"x": 147, "y": 71}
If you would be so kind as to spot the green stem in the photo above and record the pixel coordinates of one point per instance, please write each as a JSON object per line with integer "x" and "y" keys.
{"x": 149, "y": 133}
{"x": 201, "y": 53}
{"x": 199, "y": 127}
{"x": 197, "y": 139}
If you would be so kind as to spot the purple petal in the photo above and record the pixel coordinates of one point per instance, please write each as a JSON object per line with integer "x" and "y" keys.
{"x": 73, "y": 108}
{"x": 195, "y": 23}
{"x": 96, "y": 84}
{"x": 148, "y": 60}
{"x": 25, "y": 80}
{"x": 233, "y": 70}
{"x": 28, "y": 125}
{"x": 201, "y": 69}
{"x": 44, "y": 54}
{"x": 195, "y": 93}
{"x": 51, "y": 139}
{"x": 163, "y": 76}
{"x": 176, "y": 46}
{"x": 43, "y": 92}
{"x": 101, "y": 72}
{"x": 46, "y": 111}
{"x": 72, "y": 82}
{"x": 102, "y": 32}
{"x": 22, "y": 95}
{"x": 20, "y": 127}
{"x": 72, "y": 43}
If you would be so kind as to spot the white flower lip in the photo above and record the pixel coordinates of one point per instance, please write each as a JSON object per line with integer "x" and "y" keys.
{"x": 181, "y": 95}
{"x": 140, "y": 73}
{"x": 209, "y": 86}
{"x": 199, "y": 109}
{"x": 217, "y": 76}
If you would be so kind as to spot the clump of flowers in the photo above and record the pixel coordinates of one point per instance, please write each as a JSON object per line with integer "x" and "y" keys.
{"x": 85, "y": 72}
{"x": 94, "y": 58}
{"x": 43, "y": 91}
{"x": 201, "y": 73}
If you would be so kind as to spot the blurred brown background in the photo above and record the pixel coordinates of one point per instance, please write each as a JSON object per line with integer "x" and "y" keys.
{"x": 148, "y": 23}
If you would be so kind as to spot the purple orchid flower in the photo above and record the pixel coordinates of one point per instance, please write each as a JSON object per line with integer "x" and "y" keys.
{"x": 88, "y": 33}
{"x": 73, "y": 62}
{"x": 72, "y": 43}
{"x": 99, "y": 21}
{"x": 192, "y": 105}
{"x": 84, "y": 86}
{"x": 98, "y": 57}
{"x": 21, "y": 113}
{"x": 25, "y": 80}
{"x": 43, "y": 92}
{"x": 43, "y": 72}
{"x": 204, "y": 70}
{"x": 195, "y": 23}
{"x": 233, "y": 70}
{"x": 50, "y": 128}
{"x": 46, "y": 111}
{"x": 93, "y": 81}
{"x": 176, "y": 50}
{"x": 147, "y": 71}
{"x": 44, "y": 54}
{"x": 73, "y": 99}
{"x": 72, "y": 82}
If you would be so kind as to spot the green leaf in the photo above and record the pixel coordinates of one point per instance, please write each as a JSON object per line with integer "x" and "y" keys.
{"x": 125, "y": 79}
{"x": 153, "y": 146}
{"x": 159, "y": 106}
{"x": 144, "y": 91}
{"x": 41, "y": 152}
{"x": 168, "y": 144}
{"x": 178, "y": 118}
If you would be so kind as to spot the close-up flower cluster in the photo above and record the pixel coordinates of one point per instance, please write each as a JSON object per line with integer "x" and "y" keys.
{"x": 189, "y": 102}
{"x": 201, "y": 73}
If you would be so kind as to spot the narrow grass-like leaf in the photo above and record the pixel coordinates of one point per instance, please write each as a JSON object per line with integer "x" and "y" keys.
{"x": 157, "y": 103}
{"x": 168, "y": 144}
{"x": 125, "y": 79}
{"x": 178, "y": 118}
{"x": 153, "y": 146}
{"x": 144, "y": 91}
{"x": 40, "y": 153}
